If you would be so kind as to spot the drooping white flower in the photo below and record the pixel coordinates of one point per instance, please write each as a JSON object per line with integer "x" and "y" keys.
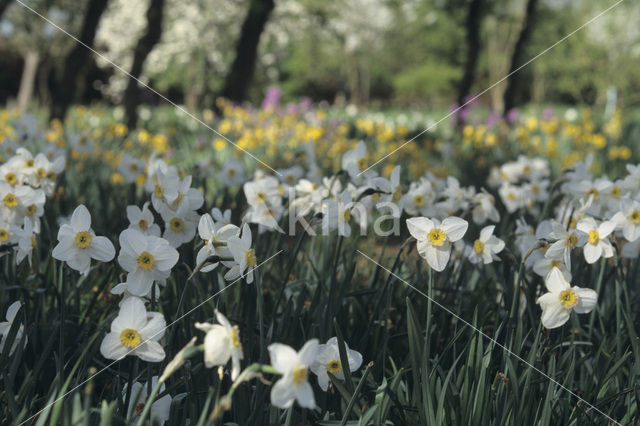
{"x": 328, "y": 359}
{"x": 294, "y": 367}
{"x": 78, "y": 244}
{"x": 25, "y": 239}
{"x": 561, "y": 299}
{"x": 243, "y": 255}
{"x": 160, "y": 408}
{"x": 435, "y": 238}
{"x": 142, "y": 220}
{"x": 5, "y": 327}
{"x": 135, "y": 332}
{"x": 146, "y": 259}
{"x": 566, "y": 241}
{"x": 628, "y": 219}
{"x": 212, "y": 237}
{"x": 336, "y": 214}
{"x": 597, "y": 244}
{"x": 486, "y": 247}
{"x": 221, "y": 343}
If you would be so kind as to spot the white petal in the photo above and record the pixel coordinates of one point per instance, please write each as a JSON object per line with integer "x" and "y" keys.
{"x": 12, "y": 310}
{"x": 111, "y": 347}
{"x": 587, "y": 299}
{"x": 419, "y": 227}
{"x": 155, "y": 327}
{"x": 304, "y": 395}
{"x": 282, "y": 394}
{"x": 454, "y": 228}
{"x": 101, "y": 249}
{"x": 437, "y": 257}
{"x": 606, "y": 228}
{"x": 554, "y": 315}
{"x": 556, "y": 281}
{"x": 217, "y": 346}
{"x": 150, "y": 351}
{"x": 308, "y": 352}
{"x": 80, "y": 219}
{"x": 283, "y": 357}
{"x": 592, "y": 252}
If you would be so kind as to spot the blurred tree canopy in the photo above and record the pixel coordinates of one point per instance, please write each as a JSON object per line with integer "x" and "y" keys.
{"x": 385, "y": 52}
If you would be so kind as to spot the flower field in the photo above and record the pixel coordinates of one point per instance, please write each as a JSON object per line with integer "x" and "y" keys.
{"x": 315, "y": 265}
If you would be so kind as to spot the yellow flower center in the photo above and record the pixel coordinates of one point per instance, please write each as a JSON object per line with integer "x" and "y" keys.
{"x": 362, "y": 163}
{"x": 262, "y": 196}
{"x": 593, "y": 192}
{"x": 334, "y": 366}
{"x": 616, "y": 192}
{"x": 250, "y": 256}
{"x": 176, "y": 224}
{"x": 41, "y": 173}
{"x": 300, "y": 374}
{"x": 4, "y": 236}
{"x": 290, "y": 179}
{"x": 29, "y": 163}
{"x": 556, "y": 264}
{"x": 235, "y": 337}
{"x": 145, "y": 261}
{"x": 178, "y": 199}
{"x": 31, "y": 210}
{"x": 346, "y": 215}
{"x": 594, "y": 237}
{"x": 130, "y": 338}
{"x": 142, "y": 224}
{"x": 571, "y": 240}
{"x": 634, "y": 216}
{"x": 33, "y": 241}
{"x": 397, "y": 194}
{"x": 478, "y": 246}
{"x": 568, "y": 299}
{"x": 231, "y": 172}
{"x": 83, "y": 240}
{"x": 11, "y": 178}
{"x": 158, "y": 191}
{"x": 51, "y": 176}
{"x": 418, "y": 200}
{"x": 436, "y": 237}
{"x": 10, "y": 201}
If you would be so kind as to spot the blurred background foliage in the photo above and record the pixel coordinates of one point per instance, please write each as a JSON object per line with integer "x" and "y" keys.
{"x": 379, "y": 53}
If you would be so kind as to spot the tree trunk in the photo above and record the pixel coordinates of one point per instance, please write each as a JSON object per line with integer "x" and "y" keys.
{"x": 28, "y": 79}
{"x": 474, "y": 20}
{"x": 3, "y": 7}
{"x": 241, "y": 73}
{"x": 75, "y": 62}
{"x": 131, "y": 100}
{"x": 517, "y": 59}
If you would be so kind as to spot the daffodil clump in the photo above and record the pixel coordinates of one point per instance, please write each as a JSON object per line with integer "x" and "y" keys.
{"x": 138, "y": 242}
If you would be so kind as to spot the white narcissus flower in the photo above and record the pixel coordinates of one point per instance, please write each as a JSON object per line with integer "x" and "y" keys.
{"x": 544, "y": 265}
{"x": 180, "y": 226}
{"x": 567, "y": 240}
{"x": 142, "y": 220}
{"x": 146, "y": 259}
{"x": 354, "y": 162}
{"x": 294, "y": 367}
{"x": 337, "y": 214}
{"x": 78, "y": 244}
{"x": 243, "y": 255}
{"x": 135, "y": 332}
{"x": 160, "y": 409}
{"x": 212, "y": 235}
{"x": 484, "y": 208}
{"x": 628, "y": 219}
{"x": 222, "y": 342}
{"x": 597, "y": 244}
{"x": 561, "y": 299}
{"x": 5, "y": 327}
{"x": 392, "y": 191}
{"x": 26, "y": 240}
{"x": 328, "y": 359}
{"x": 486, "y": 247}
{"x": 435, "y": 238}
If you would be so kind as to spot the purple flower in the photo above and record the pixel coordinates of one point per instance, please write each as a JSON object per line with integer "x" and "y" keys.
{"x": 272, "y": 98}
